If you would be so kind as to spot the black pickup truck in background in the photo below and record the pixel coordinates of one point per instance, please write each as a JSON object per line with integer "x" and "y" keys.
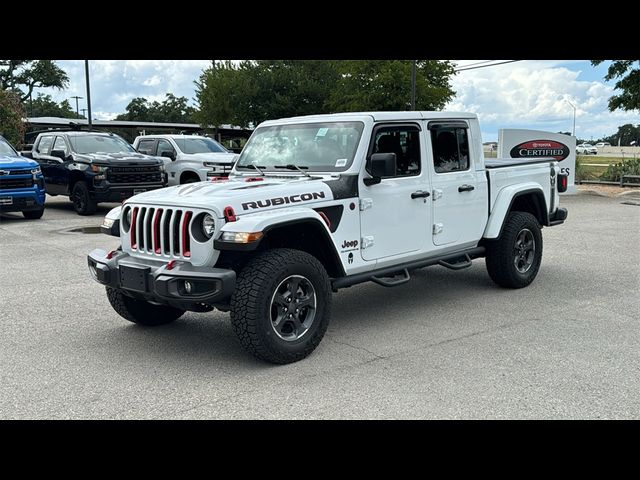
{"x": 93, "y": 167}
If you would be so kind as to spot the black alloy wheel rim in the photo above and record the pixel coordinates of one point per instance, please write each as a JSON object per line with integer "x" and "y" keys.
{"x": 524, "y": 250}
{"x": 78, "y": 200}
{"x": 293, "y": 308}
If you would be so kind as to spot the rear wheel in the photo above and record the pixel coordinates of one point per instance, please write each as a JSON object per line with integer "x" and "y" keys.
{"x": 33, "y": 214}
{"x": 140, "y": 311}
{"x": 82, "y": 200}
{"x": 514, "y": 259}
{"x": 281, "y": 306}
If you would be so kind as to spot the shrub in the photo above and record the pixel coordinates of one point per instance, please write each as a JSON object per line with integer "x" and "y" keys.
{"x": 625, "y": 167}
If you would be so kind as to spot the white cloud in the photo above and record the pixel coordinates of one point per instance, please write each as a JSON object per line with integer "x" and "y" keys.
{"x": 525, "y": 94}
{"x": 152, "y": 81}
{"x": 115, "y": 82}
{"x": 533, "y": 94}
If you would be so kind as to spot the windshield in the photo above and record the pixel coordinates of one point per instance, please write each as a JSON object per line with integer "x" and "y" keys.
{"x": 199, "y": 145}
{"x": 328, "y": 147}
{"x": 99, "y": 144}
{"x": 6, "y": 149}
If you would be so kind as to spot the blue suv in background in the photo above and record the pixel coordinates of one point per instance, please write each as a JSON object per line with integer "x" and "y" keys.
{"x": 21, "y": 183}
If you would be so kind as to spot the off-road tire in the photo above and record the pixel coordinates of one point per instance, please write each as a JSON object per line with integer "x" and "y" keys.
{"x": 140, "y": 311}
{"x": 33, "y": 214}
{"x": 83, "y": 202}
{"x": 500, "y": 253}
{"x": 251, "y": 304}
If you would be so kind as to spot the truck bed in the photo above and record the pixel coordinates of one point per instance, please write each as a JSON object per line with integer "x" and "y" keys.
{"x": 502, "y": 173}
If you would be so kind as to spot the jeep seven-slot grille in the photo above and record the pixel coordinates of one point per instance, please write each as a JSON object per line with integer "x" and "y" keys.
{"x": 161, "y": 231}
{"x": 10, "y": 183}
{"x": 134, "y": 175}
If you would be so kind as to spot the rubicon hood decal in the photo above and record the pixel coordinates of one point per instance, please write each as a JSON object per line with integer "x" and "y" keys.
{"x": 540, "y": 148}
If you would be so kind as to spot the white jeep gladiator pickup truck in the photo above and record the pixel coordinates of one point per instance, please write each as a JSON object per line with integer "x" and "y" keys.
{"x": 319, "y": 203}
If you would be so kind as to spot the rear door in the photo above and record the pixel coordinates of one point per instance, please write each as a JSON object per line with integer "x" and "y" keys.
{"x": 458, "y": 198}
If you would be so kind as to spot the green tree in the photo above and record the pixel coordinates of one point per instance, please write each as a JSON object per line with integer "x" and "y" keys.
{"x": 370, "y": 85}
{"x": 628, "y": 84}
{"x": 12, "y": 114}
{"x": 626, "y": 134}
{"x": 137, "y": 109}
{"x": 45, "y": 106}
{"x": 171, "y": 109}
{"x": 22, "y": 76}
{"x": 249, "y": 92}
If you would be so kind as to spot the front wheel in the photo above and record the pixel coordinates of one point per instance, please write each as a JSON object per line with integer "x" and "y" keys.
{"x": 514, "y": 259}
{"x": 281, "y": 306}
{"x": 33, "y": 214}
{"x": 82, "y": 200}
{"x": 140, "y": 311}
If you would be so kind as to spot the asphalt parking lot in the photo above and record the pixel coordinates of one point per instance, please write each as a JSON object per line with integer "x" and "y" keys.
{"x": 446, "y": 345}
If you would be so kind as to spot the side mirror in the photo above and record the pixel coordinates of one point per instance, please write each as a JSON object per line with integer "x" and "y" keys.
{"x": 59, "y": 154}
{"x": 168, "y": 154}
{"x": 381, "y": 165}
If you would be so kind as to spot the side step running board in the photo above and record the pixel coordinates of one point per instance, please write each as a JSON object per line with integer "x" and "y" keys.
{"x": 464, "y": 263}
{"x": 380, "y": 275}
{"x": 391, "y": 281}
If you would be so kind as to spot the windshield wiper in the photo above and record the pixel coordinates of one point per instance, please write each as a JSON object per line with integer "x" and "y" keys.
{"x": 294, "y": 167}
{"x": 253, "y": 167}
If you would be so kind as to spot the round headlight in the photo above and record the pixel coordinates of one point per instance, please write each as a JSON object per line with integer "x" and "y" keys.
{"x": 208, "y": 225}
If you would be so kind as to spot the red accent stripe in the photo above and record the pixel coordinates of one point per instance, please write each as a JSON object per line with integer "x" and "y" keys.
{"x": 132, "y": 228}
{"x": 254, "y": 179}
{"x": 326, "y": 219}
{"x": 156, "y": 231}
{"x": 186, "y": 241}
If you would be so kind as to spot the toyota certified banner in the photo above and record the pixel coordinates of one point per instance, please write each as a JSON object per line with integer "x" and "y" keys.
{"x": 527, "y": 144}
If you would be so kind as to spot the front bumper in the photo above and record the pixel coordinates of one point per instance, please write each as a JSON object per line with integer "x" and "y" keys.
{"x": 152, "y": 280}
{"x": 113, "y": 192}
{"x": 22, "y": 199}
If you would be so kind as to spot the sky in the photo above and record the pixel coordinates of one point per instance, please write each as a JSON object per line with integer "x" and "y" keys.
{"x": 525, "y": 94}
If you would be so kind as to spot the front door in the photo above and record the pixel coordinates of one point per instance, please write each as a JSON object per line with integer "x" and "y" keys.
{"x": 391, "y": 221}
{"x": 459, "y": 199}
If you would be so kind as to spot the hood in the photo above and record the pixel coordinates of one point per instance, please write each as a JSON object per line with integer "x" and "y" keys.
{"x": 10, "y": 162}
{"x": 245, "y": 197}
{"x": 119, "y": 158}
{"x": 221, "y": 157}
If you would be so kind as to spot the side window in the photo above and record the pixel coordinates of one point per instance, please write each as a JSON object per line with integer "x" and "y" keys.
{"x": 44, "y": 146}
{"x": 450, "y": 149}
{"x": 165, "y": 146}
{"x": 60, "y": 145}
{"x": 147, "y": 146}
{"x": 404, "y": 141}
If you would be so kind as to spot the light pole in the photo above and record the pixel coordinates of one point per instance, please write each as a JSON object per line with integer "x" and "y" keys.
{"x": 574, "y": 116}
{"x": 86, "y": 74}
{"x": 84, "y": 112}
{"x": 77, "y": 111}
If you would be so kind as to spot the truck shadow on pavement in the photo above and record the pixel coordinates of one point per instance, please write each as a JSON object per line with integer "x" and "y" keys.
{"x": 201, "y": 342}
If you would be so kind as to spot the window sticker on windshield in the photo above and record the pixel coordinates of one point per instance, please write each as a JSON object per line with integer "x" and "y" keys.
{"x": 341, "y": 162}
{"x": 322, "y": 132}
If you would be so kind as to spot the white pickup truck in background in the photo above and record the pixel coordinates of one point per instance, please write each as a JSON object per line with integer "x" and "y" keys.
{"x": 319, "y": 203}
{"x": 189, "y": 158}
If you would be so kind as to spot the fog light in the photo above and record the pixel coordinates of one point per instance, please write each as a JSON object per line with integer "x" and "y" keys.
{"x": 188, "y": 286}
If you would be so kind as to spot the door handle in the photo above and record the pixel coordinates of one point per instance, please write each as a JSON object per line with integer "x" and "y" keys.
{"x": 420, "y": 194}
{"x": 466, "y": 188}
